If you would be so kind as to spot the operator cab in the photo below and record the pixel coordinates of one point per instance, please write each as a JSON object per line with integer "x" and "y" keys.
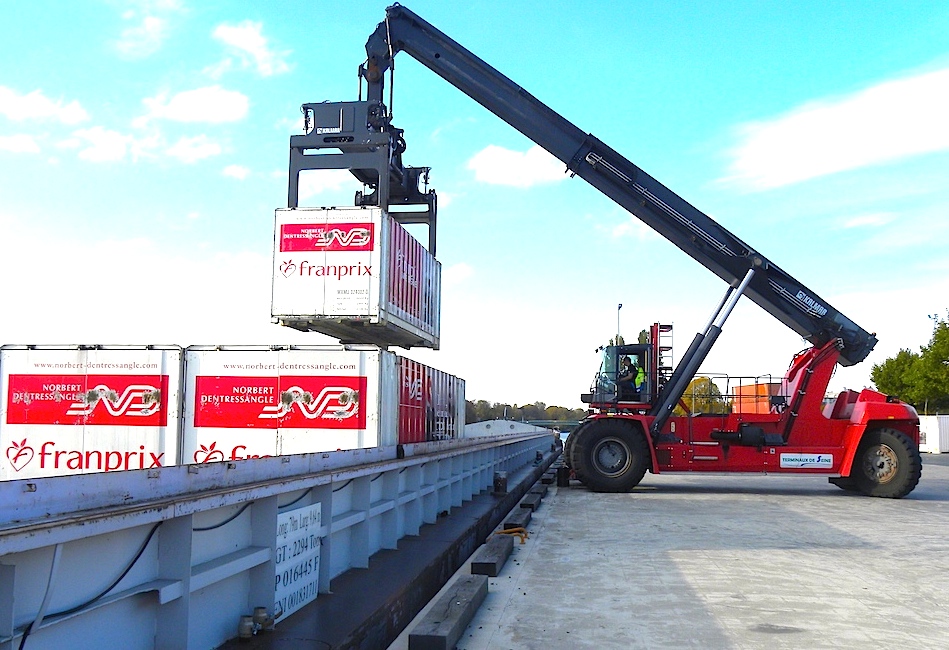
{"x": 624, "y": 376}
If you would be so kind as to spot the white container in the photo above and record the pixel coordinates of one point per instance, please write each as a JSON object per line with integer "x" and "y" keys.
{"x": 77, "y": 410}
{"x": 250, "y": 402}
{"x": 355, "y": 274}
{"x": 934, "y": 434}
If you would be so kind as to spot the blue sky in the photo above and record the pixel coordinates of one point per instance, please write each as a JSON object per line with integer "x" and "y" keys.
{"x": 143, "y": 149}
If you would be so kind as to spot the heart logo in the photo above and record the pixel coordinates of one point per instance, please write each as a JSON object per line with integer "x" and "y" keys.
{"x": 19, "y": 454}
{"x": 287, "y": 268}
{"x": 208, "y": 454}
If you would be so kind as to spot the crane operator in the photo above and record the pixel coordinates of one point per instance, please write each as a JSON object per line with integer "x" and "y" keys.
{"x": 631, "y": 376}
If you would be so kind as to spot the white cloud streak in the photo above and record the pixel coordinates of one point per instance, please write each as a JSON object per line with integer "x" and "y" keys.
{"x": 874, "y": 220}
{"x": 37, "y": 106}
{"x": 236, "y": 171}
{"x": 150, "y": 27}
{"x": 249, "y": 48}
{"x": 102, "y": 145}
{"x": 210, "y": 105}
{"x": 18, "y": 144}
{"x": 191, "y": 150}
{"x": 633, "y": 228}
{"x": 313, "y": 183}
{"x": 499, "y": 166}
{"x": 123, "y": 269}
{"x": 887, "y": 122}
{"x": 455, "y": 274}
{"x": 143, "y": 39}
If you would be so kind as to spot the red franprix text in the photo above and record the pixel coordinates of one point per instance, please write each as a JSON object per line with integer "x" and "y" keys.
{"x": 335, "y": 270}
{"x": 108, "y": 461}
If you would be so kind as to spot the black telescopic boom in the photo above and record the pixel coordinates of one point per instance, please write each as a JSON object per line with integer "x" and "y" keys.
{"x": 692, "y": 231}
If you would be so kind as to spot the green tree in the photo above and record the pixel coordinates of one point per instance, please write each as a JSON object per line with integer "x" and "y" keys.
{"x": 897, "y": 375}
{"x": 703, "y": 396}
{"x": 920, "y": 379}
{"x": 934, "y": 369}
{"x": 481, "y": 410}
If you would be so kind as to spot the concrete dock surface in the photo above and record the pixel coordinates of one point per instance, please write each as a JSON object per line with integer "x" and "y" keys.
{"x": 737, "y": 561}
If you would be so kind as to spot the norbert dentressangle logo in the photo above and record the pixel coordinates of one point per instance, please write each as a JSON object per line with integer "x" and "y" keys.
{"x": 332, "y": 403}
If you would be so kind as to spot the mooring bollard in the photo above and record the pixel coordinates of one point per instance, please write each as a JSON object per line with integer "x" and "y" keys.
{"x": 500, "y": 483}
{"x": 563, "y": 477}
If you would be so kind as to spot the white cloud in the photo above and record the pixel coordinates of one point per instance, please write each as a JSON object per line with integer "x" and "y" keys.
{"x": 499, "y": 166}
{"x": 886, "y": 122}
{"x": 191, "y": 150}
{"x": 102, "y": 145}
{"x": 873, "y": 220}
{"x": 236, "y": 171}
{"x": 291, "y": 125}
{"x": 445, "y": 199}
{"x": 633, "y": 228}
{"x": 37, "y": 106}
{"x": 151, "y": 27}
{"x": 145, "y": 146}
{"x": 18, "y": 144}
{"x": 143, "y": 39}
{"x": 250, "y": 47}
{"x": 313, "y": 183}
{"x": 117, "y": 303}
{"x": 456, "y": 274}
{"x": 211, "y": 104}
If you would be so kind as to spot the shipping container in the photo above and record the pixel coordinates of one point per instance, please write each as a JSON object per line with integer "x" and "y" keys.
{"x": 934, "y": 434}
{"x": 80, "y": 409}
{"x": 83, "y": 409}
{"x": 250, "y": 402}
{"x": 355, "y": 274}
{"x": 754, "y": 398}
{"x": 431, "y": 403}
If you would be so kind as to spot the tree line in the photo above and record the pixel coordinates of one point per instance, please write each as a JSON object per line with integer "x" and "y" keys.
{"x": 481, "y": 410}
{"x": 919, "y": 378}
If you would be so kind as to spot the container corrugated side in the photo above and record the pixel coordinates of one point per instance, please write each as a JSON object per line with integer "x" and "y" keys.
{"x": 355, "y": 274}
{"x": 934, "y": 434}
{"x": 432, "y": 403}
{"x": 84, "y": 409}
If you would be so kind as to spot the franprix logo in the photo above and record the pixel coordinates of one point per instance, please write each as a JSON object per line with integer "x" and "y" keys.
{"x": 302, "y": 402}
{"x": 332, "y": 403}
{"x": 118, "y": 400}
{"x": 308, "y": 269}
{"x": 299, "y": 237}
{"x": 19, "y": 454}
{"x": 52, "y": 458}
{"x": 211, "y": 454}
{"x": 208, "y": 454}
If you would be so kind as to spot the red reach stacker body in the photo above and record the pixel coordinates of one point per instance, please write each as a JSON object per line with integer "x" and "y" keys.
{"x": 863, "y": 441}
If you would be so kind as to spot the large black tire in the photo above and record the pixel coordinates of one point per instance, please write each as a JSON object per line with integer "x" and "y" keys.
{"x": 611, "y": 456}
{"x": 568, "y": 445}
{"x": 887, "y": 464}
{"x": 571, "y": 452}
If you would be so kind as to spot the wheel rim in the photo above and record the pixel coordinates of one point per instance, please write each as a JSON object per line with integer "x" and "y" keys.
{"x": 611, "y": 457}
{"x": 881, "y": 463}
